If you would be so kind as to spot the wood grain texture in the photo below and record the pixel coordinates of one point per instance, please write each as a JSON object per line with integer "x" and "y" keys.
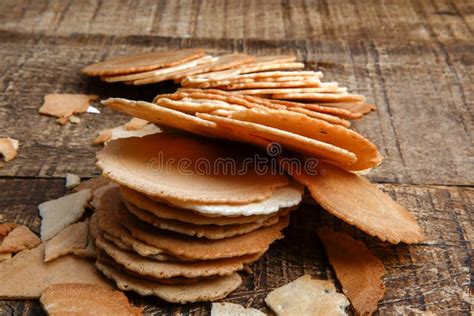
{"x": 433, "y": 276}
{"x": 251, "y": 19}
{"x": 423, "y": 127}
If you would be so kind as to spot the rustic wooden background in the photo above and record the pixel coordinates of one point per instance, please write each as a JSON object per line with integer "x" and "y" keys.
{"x": 414, "y": 59}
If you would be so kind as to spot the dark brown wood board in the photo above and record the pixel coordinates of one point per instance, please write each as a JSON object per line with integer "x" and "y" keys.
{"x": 413, "y": 59}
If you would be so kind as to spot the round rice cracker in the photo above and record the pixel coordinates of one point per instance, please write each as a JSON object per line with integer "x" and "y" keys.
{"x": 182, "y": 246}
{"x": 285, "y": 197}
{"x": 152, "y": 165}
{"x": 288, "y": 140}
{"x": 167, "y": 117}
{"x": 358, "y": 202}
{"x": 158, "y": 270}
{"x": 200, "y": 231}
{"x": 300, "y": 124}
{"x": 202, "y": 291}
{"x": 165, "y": 211}
{"x": 142, "y": 62}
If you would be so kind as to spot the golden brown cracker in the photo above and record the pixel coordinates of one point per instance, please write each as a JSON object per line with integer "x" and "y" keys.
{"x": 358, "y": 202}
{"x": 165, "y": 269}
{"x": 63, "y": 106}
{"x": 321, "y": 97}
{"x": 142, "y": 62}
{"x": 9, "y": 148}
{"x": 206, "y": 290}
{"x": 136, "y": 163}
{"x": 25, "y": 276}
{"x": 71, "y": 238}
{"x": 357, "y": 269}
{"x": 365, "y": 151}
{"x": 18, "y": 239}
{"x": 85, "y": 299}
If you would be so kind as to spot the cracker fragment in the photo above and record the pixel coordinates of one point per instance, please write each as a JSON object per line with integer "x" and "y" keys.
{"x": 275, "y": 91}
{"x": 142, "y": 62}
{"x": 9, "y": 148}
{"x": 202, "y": 291}
{"x": 59, "y": 213}
{"x": 71, "y": 238}
{"x": 306, "y": 296}
{"x": 20, "y": 238}
{"x": 25, "y": 276}
{"x": 322, "y": 97}
{"x": 72, "y": 180}
{"x": 357, "y": 269}
{"x": 135, "y": 163}
{"x": 135, "y": 124}
{"x": 121, "y": 131}
{"x": 355, "y": 107}
{"x": 5, "y": 256}
{"x": 358, "y": 202}
{"x": 92, "y": 184}
{"x": 63, "y": 106}
{"x": 230, "y": 309}
{"x": 85, "y": 299}
{"x": 5, "y": 229}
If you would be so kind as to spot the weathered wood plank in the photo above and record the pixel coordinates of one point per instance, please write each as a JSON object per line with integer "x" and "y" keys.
{"x": 433, "y": 276}
{"x": 250, "y": 19}
{"x": 424, "y": 91}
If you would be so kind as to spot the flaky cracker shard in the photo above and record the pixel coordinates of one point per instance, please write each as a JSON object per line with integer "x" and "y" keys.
{"x": 25, "y": 276}
{"x": 358, "y": 202}
{"x": 202, "y": 291}
{"x": 71, "y": 238}
{"x": 9, "y": 148}
{"x": 230, "y": 309}
{"x": 357, "y": 269}
{"x": 59, "y": 213}
{"x": 86, "y": 299}
{"x": 136, "y": 163}
{"x": 306, "y": 296}
{"x": 72, "y": 180}
{"x": 142, "y": 62}
{"x": 20, "y": 238}
{"x": 63, "y": 106}
{"x": 123, "y": 131}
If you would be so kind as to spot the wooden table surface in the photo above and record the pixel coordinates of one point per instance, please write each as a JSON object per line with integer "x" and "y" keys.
{"x": 413, "y": 59}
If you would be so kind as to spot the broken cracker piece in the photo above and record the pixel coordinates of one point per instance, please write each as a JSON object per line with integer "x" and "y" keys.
{"x": 25, "y": 276}
{"x": 59, "y": 213}
{"x": 6, "y": 228}
{"x": 63, "y": 106}
{"x": 5, "y": 256}
{"x": 20, "y": 238}
{"x": 121, "y": 131}
{"x": 230, "y": 309}
{"x": 92, "y": 184}
{"x": 135, "y": 124}
{"x": 73, "y": 237}
{"x": 357, "y": 269}
{"x": 72, "y": 180}
{"x": 306, "y": 296}
{"x": 85, "y": 299}
{"x": 8, "y": 148}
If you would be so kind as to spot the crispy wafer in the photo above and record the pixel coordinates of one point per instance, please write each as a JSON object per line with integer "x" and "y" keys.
{"x": 65, "y": 105}
{"x": 358, "y": 202}
{"x": 169, "y": 212}
{"x": 73, "y": 237}
{"x": 365, "y": 151}
{"x": 322, "y": 97}
{"x": 289, "y": 140}
{"x": 206, "y": 290}
{"x": 18, "y": 239}
{"x": 273, "y": 85}
{"x": 149, "y": 165}
{"x": 9, "y": 148}
{"x": 85, "y": 299}
{"x": 357, "y": 269}
{"x": 165, "y": 269}
{"x": 201, "y": 231}
{"x": 221, "y": 63}
{"x": 142, "y": 62}
{"x": 355, "y": 107}
{"x": 161, "y": 71}
{"x": 306, "y": 296}
{"x": 191, "y": 106}
{"x": 278, "y": 91}
{"x": 230, "y": 309}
